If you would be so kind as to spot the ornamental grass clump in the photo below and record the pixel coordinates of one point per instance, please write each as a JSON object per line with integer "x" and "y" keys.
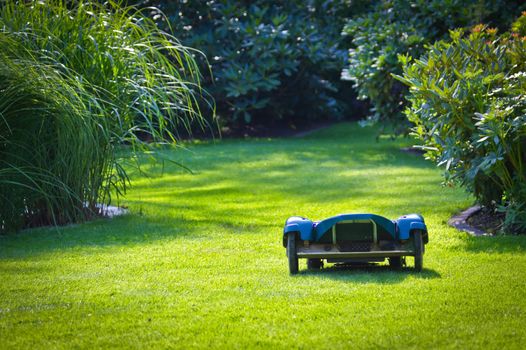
{"x": 77, "y": 81}
{"x": 468, "y": 103}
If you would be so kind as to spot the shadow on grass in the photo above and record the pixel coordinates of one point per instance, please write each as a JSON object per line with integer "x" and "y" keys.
{"x": 127, "y": 230}
{"x": 368, "y": 273}
{"x": 496, "y": 244}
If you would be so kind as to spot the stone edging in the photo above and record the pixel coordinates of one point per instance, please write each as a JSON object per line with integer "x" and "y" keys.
{"x": 110, "y": 211}
{"x": 459, "y": 222}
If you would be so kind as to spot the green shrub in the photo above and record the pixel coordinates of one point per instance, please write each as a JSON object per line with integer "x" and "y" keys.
{"x": 468, "y": 103}
{"x": 393, "y": 27}
{"x": 76, "y": 82}
{"x": 270, "y": 60}
{"x": 519, "y": 26}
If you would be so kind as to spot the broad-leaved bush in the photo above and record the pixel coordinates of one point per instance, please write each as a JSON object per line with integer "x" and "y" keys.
{"x": 393, "y": 27}
{"x": 467, "y": 100}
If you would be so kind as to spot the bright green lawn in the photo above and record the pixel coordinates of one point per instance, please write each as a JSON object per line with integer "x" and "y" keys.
{"x": 199, "y": 262}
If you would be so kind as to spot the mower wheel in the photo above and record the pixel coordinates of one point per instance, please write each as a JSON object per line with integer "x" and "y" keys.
{"x": 314, "y": 264}
{"x": 292, "y": 253}
{"x": 419, "y": 250}
{"x": 396, "y": 262}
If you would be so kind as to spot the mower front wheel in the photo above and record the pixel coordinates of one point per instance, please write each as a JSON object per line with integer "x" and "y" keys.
{"x": 419, "y": 250}
{"x": 292, "y": 253}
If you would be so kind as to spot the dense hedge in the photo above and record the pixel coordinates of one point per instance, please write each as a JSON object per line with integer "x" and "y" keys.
{"x": 392, "y": 27}
{"x": 468, "y": 103}
{"x": 270, "y": 61}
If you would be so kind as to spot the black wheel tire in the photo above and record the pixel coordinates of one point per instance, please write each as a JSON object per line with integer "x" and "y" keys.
{"x": 292, "y": 253}
{"x": 419, "y": 250}
{"x": 314, "y": 264}
{"x": 395, "y": 262}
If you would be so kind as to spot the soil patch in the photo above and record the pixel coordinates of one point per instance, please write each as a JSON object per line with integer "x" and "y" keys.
{"x": 413, "y": 150}
{"x": 276, "y": 130}
{"x": 478, "y": 221}
{"x": 487, "y": 220}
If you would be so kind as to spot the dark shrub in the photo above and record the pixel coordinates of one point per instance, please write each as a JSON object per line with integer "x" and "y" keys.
{"x": 271, "y": 61}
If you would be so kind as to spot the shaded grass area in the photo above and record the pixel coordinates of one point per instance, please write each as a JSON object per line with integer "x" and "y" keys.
{"x": 199, "y": 262}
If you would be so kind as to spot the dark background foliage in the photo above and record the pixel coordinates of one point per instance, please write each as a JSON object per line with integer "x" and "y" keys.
{"x": 272, "y": 63}
{"x": 279, "y": 63}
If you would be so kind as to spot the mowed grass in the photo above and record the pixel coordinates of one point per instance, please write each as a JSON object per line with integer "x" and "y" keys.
{"x": 199, "y": 263}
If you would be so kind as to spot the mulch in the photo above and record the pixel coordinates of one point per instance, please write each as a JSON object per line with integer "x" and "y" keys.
{"x": 275, "y": 130}
{"x": 487, "y": 219}
{"x": 478, "y": 221}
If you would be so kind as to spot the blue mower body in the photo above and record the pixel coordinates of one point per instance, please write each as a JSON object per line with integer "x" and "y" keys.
{"x": 355, "y": 238}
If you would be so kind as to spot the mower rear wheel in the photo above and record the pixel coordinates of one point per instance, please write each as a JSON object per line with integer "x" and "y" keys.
{"x": 396, "y": 262}
{"x": 292, "y": 254}
{"x": 314, "y": 264}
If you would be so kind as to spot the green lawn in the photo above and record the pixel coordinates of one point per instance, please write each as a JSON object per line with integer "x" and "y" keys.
{"x": 199, "y": 263}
